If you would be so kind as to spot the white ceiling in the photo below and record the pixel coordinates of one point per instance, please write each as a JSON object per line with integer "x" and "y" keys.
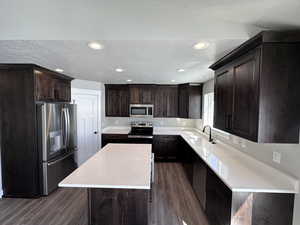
{"x": 149, "y": 39}
{"x": 143, "y": 61}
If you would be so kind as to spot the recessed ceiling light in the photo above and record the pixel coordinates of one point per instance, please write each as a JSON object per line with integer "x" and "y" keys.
{"x": 180, "y": 70}
{"x": 95, "y": 45}
{"x": 59, "y": 70}
{"x": 129, "y": 80}
{"x": 201, "y": 45}
{"x": 173, "y": 80}
{"x": 119, "y": 70}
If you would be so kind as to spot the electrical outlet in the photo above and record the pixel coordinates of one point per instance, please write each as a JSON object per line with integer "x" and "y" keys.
{"x": 276, "y": 157}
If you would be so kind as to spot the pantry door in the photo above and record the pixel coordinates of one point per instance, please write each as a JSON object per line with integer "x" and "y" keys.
{"x": 88, "y": 122}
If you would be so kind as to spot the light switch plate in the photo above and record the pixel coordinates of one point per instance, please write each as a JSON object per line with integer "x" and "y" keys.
{"x": 276, "y": 157}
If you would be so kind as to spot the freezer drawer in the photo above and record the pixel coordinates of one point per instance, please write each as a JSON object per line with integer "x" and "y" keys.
{"x": 55, "y": 171}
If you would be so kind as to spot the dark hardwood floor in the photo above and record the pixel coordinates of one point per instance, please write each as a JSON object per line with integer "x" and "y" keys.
{"x": 173, "y": 203}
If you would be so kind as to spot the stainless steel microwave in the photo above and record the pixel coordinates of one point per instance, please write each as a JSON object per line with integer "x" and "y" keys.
{"x": 141, "y": 110}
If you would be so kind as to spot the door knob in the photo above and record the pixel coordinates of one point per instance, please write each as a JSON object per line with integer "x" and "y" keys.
{"x": 95, "y": 132}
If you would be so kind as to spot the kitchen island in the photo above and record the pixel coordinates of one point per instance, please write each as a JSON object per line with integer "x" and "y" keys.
{"x": 118, "y": 180}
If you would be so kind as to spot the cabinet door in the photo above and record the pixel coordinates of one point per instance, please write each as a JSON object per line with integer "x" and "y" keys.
{"x": 218, "y": 200}
{"x": 123, "y": 102}
{"x": 146, "y": 94}
{"x": 165, "y": 147}
{"x": 195, "y": 101}
{"x": 187, "y": 158}
{"x": 190, "y": 101}
{"x": 44, "y": 87}
{"x": 166, "y": 101}
{"x": 117, "y": 100}
{"x": 160, "y": 102}
{"x": 199, "y": 180}
{"x": 141, "y": 94}
{"x": 223, "y": 99}
{"x": 62, "y": 90}
{"x": 134, "y": 92}
{"x": 245, "y": 92}
{"x": 172, "y": 101}
{"x": 183, "y": 101}
{"x": 111, "y": 101}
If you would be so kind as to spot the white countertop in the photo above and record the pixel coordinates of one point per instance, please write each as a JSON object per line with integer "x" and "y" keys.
{"x": 240, "y": 172}
{"x": 126, "y": 166}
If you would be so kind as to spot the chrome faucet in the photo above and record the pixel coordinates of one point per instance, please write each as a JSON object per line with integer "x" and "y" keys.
{"x": 210, "y": 138}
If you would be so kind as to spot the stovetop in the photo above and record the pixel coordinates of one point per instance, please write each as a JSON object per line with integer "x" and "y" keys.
{"x": 141, "y": 129}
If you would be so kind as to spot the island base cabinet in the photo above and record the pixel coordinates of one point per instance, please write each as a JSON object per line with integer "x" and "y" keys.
{"x": 262, "y": 208}
{"x": 118, "y": 206}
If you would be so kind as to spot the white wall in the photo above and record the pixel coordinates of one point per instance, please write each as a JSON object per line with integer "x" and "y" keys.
{"x": 157, "y": 122}
{"x": 290, "y": 153}
{"x": 86, "y": 84}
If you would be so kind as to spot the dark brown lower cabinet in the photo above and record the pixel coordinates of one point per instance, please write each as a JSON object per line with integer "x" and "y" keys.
{"x": 224, "y": 207}
{"x": 165, "y": 148}
{"x": 114, "y": 138}
{"x": 218, "y": 200}
{"x": 123, "y": 139}
{"x": 118, "y": 206}
{"x": 188, "y": 157}
{"x": 199, "y": 180}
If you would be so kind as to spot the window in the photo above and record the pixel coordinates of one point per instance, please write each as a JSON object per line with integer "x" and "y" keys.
{"x": 208, "y": 113}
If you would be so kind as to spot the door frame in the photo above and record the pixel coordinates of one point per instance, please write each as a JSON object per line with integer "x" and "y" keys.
{"x": 82, "y": 91}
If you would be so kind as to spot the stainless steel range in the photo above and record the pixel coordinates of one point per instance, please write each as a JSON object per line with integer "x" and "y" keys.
{"x": 141, "y": 132}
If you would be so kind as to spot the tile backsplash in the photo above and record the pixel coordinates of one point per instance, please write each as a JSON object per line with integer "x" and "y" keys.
{"x": 157, "y": 122}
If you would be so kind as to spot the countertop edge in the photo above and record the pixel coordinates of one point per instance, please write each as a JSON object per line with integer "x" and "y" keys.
{"x": 105, "y": 186}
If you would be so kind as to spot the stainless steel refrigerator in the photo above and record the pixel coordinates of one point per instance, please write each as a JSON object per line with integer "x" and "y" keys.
{"x": 57, "y": 141}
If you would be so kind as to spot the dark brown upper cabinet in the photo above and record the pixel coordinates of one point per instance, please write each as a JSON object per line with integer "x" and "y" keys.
{"x": 223, "y": 99}
{"x": 116, "y": 100}
{"x": 141, "y": 94}
{"x": 166, "y": 101}
{"x": 190, "y": 101}
{"x": 174, "y": 101}
{"x": 257, "y": 89}
{"x": 51, "y": 86}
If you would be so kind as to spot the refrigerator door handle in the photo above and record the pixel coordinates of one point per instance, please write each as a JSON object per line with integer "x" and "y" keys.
{"x": 65, "y": 125}
{"x": 68, "y": 127}
{"x": 44, "y": 132}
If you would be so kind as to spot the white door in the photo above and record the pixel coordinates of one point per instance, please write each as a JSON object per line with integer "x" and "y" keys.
{"x": 88, "y": 122}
